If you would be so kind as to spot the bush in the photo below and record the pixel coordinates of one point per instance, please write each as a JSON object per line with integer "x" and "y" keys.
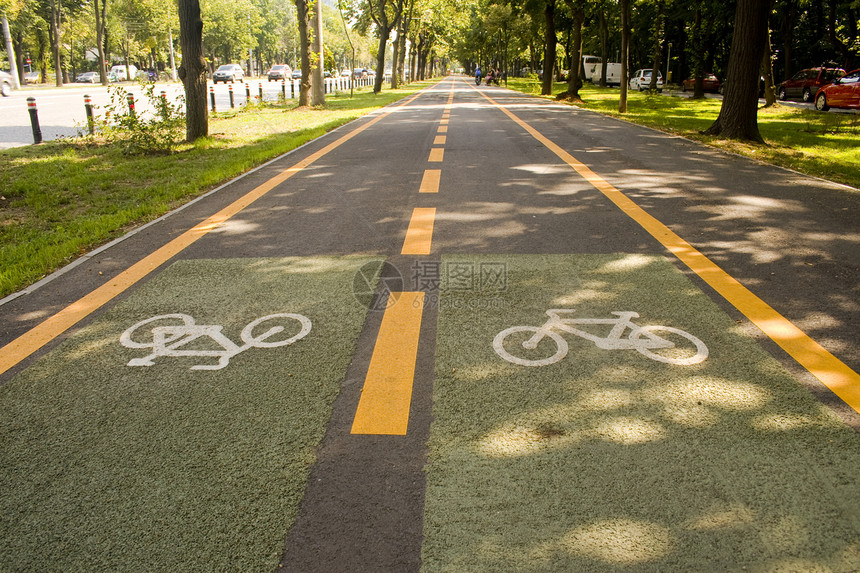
{"x": 137, "y": 134}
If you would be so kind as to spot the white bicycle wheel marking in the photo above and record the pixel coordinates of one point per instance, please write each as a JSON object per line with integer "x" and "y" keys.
{"x": 643, "y": 339}
{"x": 176, "y": 331}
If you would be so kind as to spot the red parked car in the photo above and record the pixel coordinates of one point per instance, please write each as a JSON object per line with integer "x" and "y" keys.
{"x": 710, "y": 83}
{"x": 805, "y": 83}
{"x": 843, "y": 92}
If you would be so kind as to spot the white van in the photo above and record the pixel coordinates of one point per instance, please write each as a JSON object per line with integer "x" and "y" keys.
{"x": 589, "y": 63}
{"x": 118, "y": 71}
{"x": 613, "y": 74}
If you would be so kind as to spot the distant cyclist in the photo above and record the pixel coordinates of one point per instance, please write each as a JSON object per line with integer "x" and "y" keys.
{"x": 478, "y": 76}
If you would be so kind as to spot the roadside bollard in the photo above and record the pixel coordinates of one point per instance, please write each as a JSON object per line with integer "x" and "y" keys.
{"x": 247, "y": 93}
{"x": 284, "y": 90}
{"x": 34, "y": 120}
{"x": 131, "y": 105}
{"x": 232, "y": 104}
{"x": 88, "y": 105}
{"x": 164, "y": 111}
{"x": 212, "y": 97}
{"x": 261, "y": 93}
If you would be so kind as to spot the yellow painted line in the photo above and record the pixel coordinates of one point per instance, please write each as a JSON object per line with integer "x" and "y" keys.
{"x": 430, "y": 181}
{"x": 436, "y": 154}
{"x": 419, "y": 235}
{"x": 442, "y": 129}
{"x": 387, "y": 394}
{"x": 443, "y": 121}
{"x": 832, "y": 372}
{"x": 41, "y": 334}
{"x": 440, "y": 140}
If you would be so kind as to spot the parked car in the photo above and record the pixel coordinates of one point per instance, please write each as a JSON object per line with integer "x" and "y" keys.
{"x": 5, "y": 83}
{"x": 279, "y": 72}
{"x": 228, "y": 73}
{"x": 843, "y": 92}
{"x": 641, "y": 80}
{"x": 119, "y": 72}
{"x": 32, "y": 78}
{"x": 297, "y": 74}
{"x": 88, "y": 78}
{"x": 805, "y": 83}
{"x": 710, "y": 83}
{"x": 345, "y": 73}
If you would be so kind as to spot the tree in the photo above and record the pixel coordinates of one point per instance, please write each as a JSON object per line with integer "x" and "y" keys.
{"x": 192, "y": 72}
{"x": 303, "y": 17}
{"x": 550, "y": 43}
{"x": 738, "y": 114}
{"x": 625, "y": 54}
{"x": 101, "y": 17}
{"x": 574, "y": 79}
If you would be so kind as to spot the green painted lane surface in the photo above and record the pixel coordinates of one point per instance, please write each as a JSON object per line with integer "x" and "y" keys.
{"x": 608, "y": 460}
{"x": 111, "y": 467}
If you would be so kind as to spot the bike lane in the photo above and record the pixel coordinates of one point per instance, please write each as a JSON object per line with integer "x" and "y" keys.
{"x": 175, "y": 423}
{"x": 609, "y": 460}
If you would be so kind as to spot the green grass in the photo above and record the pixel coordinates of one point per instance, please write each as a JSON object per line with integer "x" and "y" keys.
{"x": 62, "y": 199}
{"x": 110, "y": 467}
{"x": 608, "y": 461}
{"x": 825, "y": 145}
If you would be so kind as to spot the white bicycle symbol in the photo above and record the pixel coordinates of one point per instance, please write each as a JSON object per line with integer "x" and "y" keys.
{"x": 643, "y": 339}
{"x": 179, "y": 330}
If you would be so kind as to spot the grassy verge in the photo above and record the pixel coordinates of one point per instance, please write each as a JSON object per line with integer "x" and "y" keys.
{"x": 821, "y": 144}
{"x": 61, "y": 199}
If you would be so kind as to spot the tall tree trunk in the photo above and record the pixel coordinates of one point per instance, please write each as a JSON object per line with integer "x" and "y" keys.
{"x": 10, "y": 52}
{"x": 788, "y": 36}
{"x": 738, "y": 114}
{"x": 317, "y": 86}
{"x": 550, "y": 42}
{"x": 625, "y": 55}
{"x": 303, "y": 17}
{"x": 658, "y": 46}
{"x": 604, "y": 48}
{"x": 384, "y": 33}
{"x": 192, "y": 72}
{"x": 767, "y": 74}
{"x": 56, "y": 19}
{"x": 574, "y": 76}
{"x": 100, "y": 33}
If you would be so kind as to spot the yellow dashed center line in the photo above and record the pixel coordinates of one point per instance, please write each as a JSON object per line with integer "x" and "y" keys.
{"x": 419, "y": 235}
{"x": 383, "y": 408}
{"x": 831, "y": 371}
{"x": 387, "y": 394}
{"x": 430, "y": 181}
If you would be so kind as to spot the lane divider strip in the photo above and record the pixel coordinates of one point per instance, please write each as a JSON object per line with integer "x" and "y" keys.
{"x": 832, "y": 372}
{"x": 430, "y": 181}
{"x": 387, "y": 394}
{"x": 437, "y": 155}
{"x": 419, "y": 235}
{"x": 43, "y": 333}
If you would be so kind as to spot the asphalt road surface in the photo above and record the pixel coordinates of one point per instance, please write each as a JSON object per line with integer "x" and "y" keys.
{"x": 487, "y": 208}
